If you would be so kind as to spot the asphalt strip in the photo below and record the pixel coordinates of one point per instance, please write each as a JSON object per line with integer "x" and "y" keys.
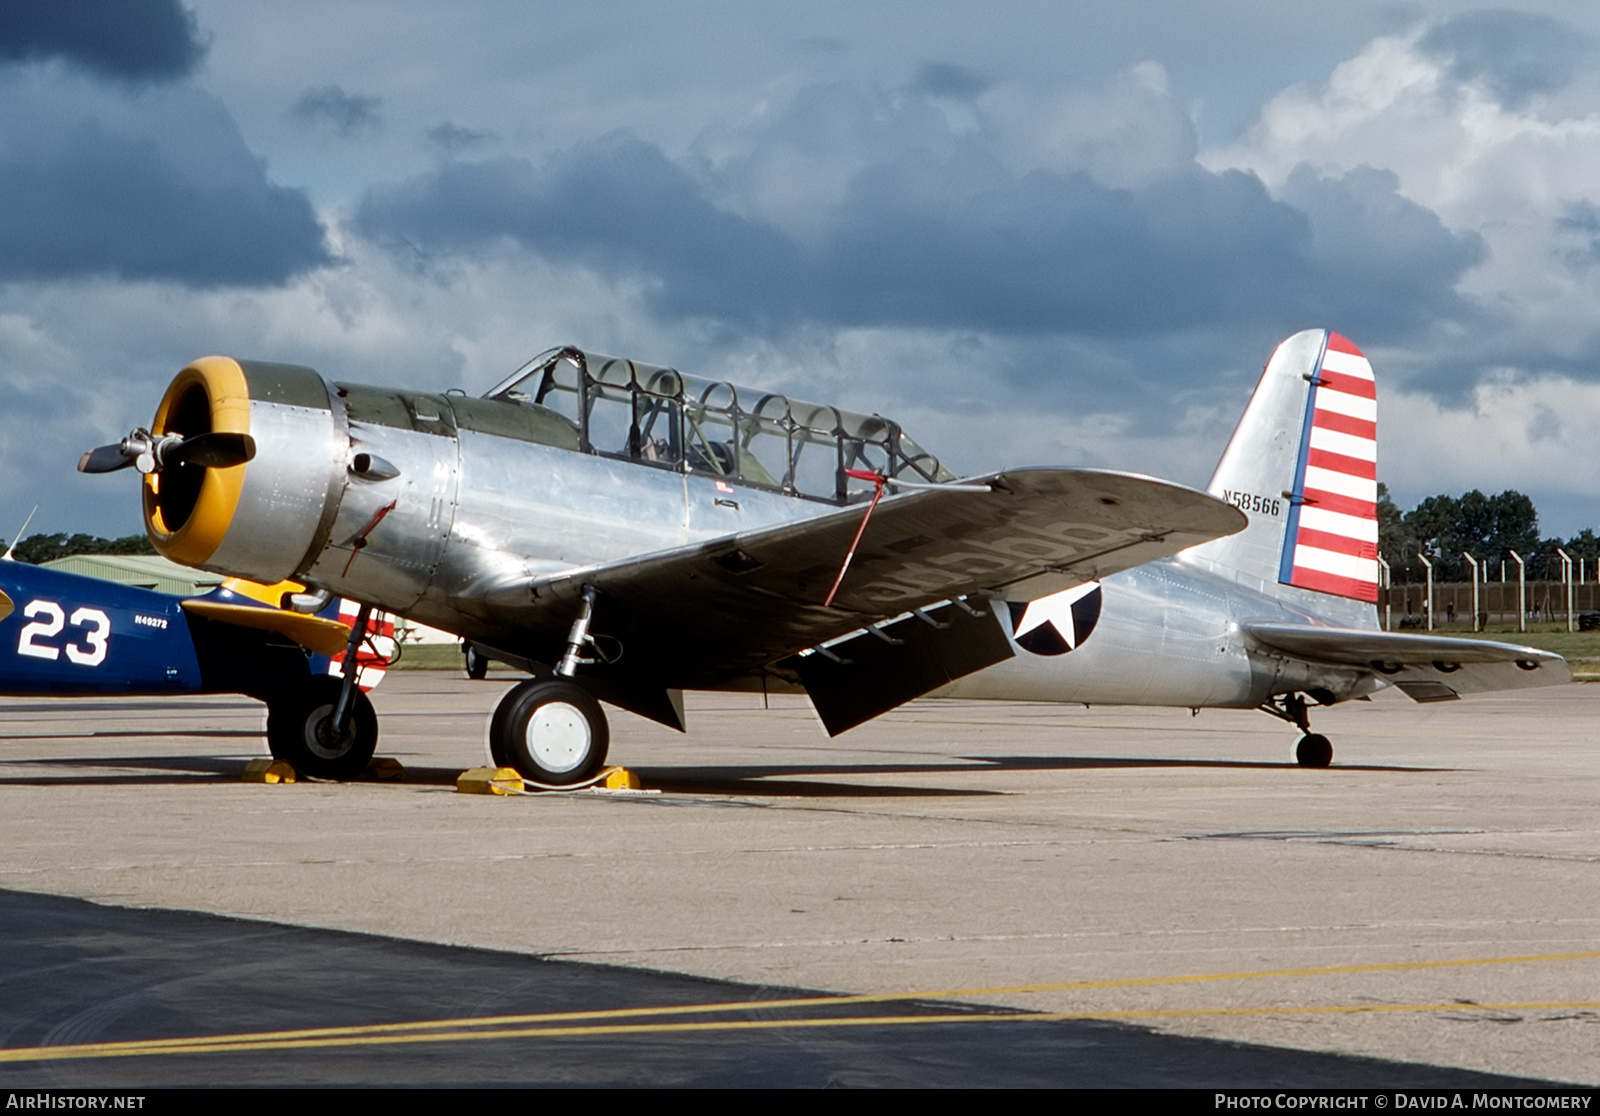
{"x": 95, "y": 996}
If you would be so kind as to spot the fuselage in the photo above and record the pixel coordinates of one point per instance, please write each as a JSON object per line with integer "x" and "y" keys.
{"x": 1168, "y": 633}
{"x": 447, "y": 509}
{"x": 68, "y": 634}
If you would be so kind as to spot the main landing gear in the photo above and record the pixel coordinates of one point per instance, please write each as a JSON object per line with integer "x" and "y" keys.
{"x": 551, "y": 729}
{"x": 327, "y": 728}
{"x": 1314, "y": 749}
{"x": 301, "y": 730}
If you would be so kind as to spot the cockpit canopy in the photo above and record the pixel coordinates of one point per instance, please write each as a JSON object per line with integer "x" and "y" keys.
{"x": 660, "y": 417}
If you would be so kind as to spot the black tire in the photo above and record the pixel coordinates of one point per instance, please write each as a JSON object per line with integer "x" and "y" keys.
{"x": 1314, "y": 750}
{"x": 551, "y": 730}
{"x": 297, "y": 731}
{"x": 477, "y": 662}
{"x": 497, "y": 734}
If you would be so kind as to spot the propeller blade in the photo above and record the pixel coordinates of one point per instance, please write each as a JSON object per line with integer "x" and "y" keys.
{"x": 216, "y": 450}
{"x": 104, "y": 459}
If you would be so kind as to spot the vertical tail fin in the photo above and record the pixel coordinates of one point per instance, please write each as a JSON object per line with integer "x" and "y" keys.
{"x": 1332, "y": 540}
{"x": 1303, "y": 464}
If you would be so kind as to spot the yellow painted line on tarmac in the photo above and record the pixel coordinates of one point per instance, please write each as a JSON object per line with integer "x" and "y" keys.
{"x": 222, "y": 1045}
{"x": 528, "y": 1025}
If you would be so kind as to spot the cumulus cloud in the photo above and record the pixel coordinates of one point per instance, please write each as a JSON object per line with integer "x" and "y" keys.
{"x": 1578, "y": 233}
{"x": 1534, "y": 434}
{"x": 1396, "y": 259}
{"x": 944, "y": 234}
{"x": 454, "y": 139}
{"x": 127, "y": 40}
{"x": 1514, "y": 55}
{"x": 1456, "y": 117}
{"x": 945, "y": 79}
{"x": 160, "y": 186}
{"x": 348, "y": 114}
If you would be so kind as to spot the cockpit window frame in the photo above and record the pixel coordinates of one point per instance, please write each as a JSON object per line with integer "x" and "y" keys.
{"x": 692, "y": 407}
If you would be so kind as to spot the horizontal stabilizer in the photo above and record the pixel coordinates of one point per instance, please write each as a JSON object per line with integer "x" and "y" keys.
{"x": 325, "y": 637}
{"x": 1428, "y": 667}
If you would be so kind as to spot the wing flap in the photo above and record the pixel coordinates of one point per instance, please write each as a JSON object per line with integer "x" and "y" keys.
{"x": 1426, "y": 667}
{"x": 855, "y": 679}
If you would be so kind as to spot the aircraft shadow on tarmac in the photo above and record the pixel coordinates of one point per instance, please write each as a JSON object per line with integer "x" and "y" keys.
{"x": 78, "y": 972}
{"x": 89, "y": 771}
{"x": 803, "y": 780}
{"x": 743, "y": 780}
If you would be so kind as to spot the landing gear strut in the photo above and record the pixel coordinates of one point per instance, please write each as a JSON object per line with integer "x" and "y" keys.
{"x": 1314, "y": 749}
{"x": 552, "y": 730}
{"x": 301, "y": 730}
{"x": 327, "y": 728}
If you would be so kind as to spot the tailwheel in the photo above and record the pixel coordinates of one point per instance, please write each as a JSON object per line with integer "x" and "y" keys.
{"x": 551, "y": 730}
{"x": 300, "y": 730}
{"x": 1314, "y": 750}
{"x": 476, "y": 662}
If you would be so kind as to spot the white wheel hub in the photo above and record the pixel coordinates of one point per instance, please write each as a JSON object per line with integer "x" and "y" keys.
{"x": 558, "y": 736}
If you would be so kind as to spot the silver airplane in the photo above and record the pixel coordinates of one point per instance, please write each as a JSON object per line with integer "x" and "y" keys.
{"x": 1281, "y": 616}
{"x": 623, "y": 532}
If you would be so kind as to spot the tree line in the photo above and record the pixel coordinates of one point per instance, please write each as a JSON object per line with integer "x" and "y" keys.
{"x": 1489, "y": 528}
{"x": 39, "y": 549}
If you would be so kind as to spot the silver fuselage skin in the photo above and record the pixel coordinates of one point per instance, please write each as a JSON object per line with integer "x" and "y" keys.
{"x": 468, "y": 517}
{"x": 450, "y": 510}
{"x": 1169, "y": 634}
{"x": 473, "y": 511}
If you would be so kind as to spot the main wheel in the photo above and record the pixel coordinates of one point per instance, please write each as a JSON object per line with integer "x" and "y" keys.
{"x": 1314, "y": 750}
{"x": 550, "y": 730}
{"x": 300, "y": 730}
{"x": 477, "y": 662}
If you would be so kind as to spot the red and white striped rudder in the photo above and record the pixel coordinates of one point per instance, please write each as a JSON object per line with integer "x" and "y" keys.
{"x": 1331, "y": 543}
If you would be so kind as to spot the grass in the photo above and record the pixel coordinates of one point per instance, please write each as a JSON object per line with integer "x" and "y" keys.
{"x": 1545, "y": 635}
{"x": 429, "y": 656}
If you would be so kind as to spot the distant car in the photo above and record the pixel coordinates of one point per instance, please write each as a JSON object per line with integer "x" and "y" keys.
{"x": 1589, "y": 621}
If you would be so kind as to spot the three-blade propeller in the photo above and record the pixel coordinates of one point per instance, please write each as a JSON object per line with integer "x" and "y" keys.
{"x": 151, "y": 453}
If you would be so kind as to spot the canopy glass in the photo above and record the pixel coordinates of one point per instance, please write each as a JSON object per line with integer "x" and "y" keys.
{"x": 658, "y": 416}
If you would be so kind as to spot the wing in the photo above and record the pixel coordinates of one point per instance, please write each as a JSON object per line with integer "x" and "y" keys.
{"x": 696, "y": 616}
{"x": 1426, "y": 667}
{"x": 325, "y": 637}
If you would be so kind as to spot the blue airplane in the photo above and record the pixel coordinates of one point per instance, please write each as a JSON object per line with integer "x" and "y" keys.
{"x": 66, "y": 635}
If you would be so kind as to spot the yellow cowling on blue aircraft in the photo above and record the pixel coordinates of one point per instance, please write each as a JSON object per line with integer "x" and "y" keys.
{"x": 67, "y": 635}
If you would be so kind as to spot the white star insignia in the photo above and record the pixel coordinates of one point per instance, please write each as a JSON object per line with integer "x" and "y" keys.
{"x": 1056, "y": 610}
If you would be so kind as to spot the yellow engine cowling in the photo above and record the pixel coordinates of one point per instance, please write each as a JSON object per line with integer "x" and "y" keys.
{"x": 262, "y": 519}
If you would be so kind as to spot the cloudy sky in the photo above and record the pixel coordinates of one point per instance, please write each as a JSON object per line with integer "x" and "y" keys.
{"x": 1035, "y": 233}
